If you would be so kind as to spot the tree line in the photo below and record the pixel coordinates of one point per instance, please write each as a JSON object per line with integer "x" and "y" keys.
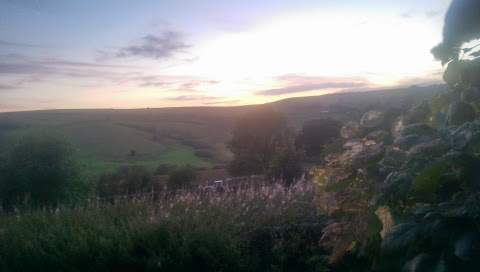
{"x": 44, "y": 168}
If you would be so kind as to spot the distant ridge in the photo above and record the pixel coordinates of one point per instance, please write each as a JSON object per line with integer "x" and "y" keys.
{"x": 109, "y": 134}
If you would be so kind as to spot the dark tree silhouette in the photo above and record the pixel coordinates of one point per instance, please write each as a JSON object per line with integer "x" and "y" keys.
{"x": 287, "y": 163}
{"x": 255, "y": 139}
{"x": 462, "y": 24}
{"x": 125, "y": 180}
{"x": 181, "y": 177}
{"x": 43, "y": 168}
{"x": 315, "y": 134}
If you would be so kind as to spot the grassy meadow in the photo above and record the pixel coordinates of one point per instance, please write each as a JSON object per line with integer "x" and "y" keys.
{"x": 268, "y": 228}
{"x": 256, "y": 228}
{"x": 196, "y": 136}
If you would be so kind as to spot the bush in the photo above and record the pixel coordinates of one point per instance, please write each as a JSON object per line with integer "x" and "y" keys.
{"x": 163, "y": 169}
{"x": 43, "y": 168}
{"x": 127, "y": 179}
{"x": 204, "y": 153}
{"x": 315, "y": 134}
{"x": 287, "y": 163}
{"x": 191, "y": 231}
{"x": 181, "y": 177}
{"x": 255, "y": 138}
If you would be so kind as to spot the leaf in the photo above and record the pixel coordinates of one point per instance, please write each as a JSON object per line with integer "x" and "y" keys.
{"x": 452, "y": 73}
{"x": 400, "y": 237}
{"x": 467, "y": 247}
{"x": 426, "y": 184}
{"x": 452, "y": 210}
{"x": 425, "y": 262}
{"x": 475, "y": 54}
{"x": 331, "y": 233}
{"x": 384, "y": 214}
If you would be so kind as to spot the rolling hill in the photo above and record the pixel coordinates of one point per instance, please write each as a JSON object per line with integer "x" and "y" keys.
{"x": 194, "y": 135}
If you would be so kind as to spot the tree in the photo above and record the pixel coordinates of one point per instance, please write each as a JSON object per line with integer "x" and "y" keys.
{"x": 255, "y": 138}
{"x": 461, "y": 24}
{"x": 181, "y": 177}
{"x": 44, "y": 168}
{"x": 287, "y": 163}
{"x": 315, "y": 134}
{"x": 125, "y": 180}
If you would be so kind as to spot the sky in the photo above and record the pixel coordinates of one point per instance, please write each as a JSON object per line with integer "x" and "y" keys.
{"x": 62, "y": 54}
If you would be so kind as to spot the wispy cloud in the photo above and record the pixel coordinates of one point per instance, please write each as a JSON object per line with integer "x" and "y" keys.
{"x": 4, "y": 87}
{"x": 62, "y": 62}
{"x": 21, "y": 68}
{"x": 295, "y": 83}
{"x": 25, "y": 71}
{"x": 422, "y": 81}
{"x": 161, "y": 46}
{"x": 163, "y": 81}
{"x": 310, "y": 87}
{"x": 191, "y": 98}
{"x": 192, "y": 84}
{"x": 154, "y": 84}
{"x": 433, "y": 13}
{"x": 222, "y": 102}
{"x": 17, "y": 44}
{"x": 33, "y": 68}
{"x": 182, "y": 84}
{"x": 407, "y": 14}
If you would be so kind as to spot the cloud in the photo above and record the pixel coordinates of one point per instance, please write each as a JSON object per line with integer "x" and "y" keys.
{"x": 62, "y": 62}
{"x": 28, "y": 71}
{"x": 421, "y": 81}
{"x": 153, "y": 84}
{"x": 311, "y": 87}
{"x": 161, "y": 46}
{"x": 433, "y": 13}
{"x": 163, "y": 81}
{"x": 191, "y": 98}
{"x": 407, "y": 14}
{"x": 16, "y": 44}
{"x": 222, "y": 102}
{"x": 198, "y": 83}
{"x": 297, "y": 83}
{"x": 6, "y": 87}
{"x": 44, "y": 68}
{"x": 21, "y": 68}
{"x": 182, "y": 84}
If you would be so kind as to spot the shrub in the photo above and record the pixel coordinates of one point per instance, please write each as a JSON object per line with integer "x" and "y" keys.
{"x": 287, "y": 163}
{"x": 181, "y": 177}
{"x": 43, "y": 168}
{"x": 162, "y": 169}
{"x": 315, "y": 134}
{"x": 126, "y": 179}
{"x": 191, "y": 231}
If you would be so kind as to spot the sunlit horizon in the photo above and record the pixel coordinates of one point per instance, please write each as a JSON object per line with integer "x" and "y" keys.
{"x": 175, "y": 54}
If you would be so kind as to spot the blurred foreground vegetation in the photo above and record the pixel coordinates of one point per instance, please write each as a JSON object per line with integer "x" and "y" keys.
{"x": 268, "y": 228}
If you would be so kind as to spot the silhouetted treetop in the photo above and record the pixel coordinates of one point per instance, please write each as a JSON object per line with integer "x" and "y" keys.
{"x": 461, "y": 24}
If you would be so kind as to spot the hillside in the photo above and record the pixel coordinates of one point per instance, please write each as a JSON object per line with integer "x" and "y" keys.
{"x": 196, "y": 135}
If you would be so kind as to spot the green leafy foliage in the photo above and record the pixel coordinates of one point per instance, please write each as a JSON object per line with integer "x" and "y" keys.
{"x": 429, "y": 181}
{"x": 181, "y": 177}
{"x": 42, "y": 168}
{"x": 269, "y": 228}
{"x": 287, "y": 163}
{"x": 255, "y": 139}
{"x": 315, "y": 134}
{"x": 125, "y": 180}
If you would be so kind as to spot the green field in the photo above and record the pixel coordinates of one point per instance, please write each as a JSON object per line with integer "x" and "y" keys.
{"x": 106, "y": 138}
{"x": 172, "y": 155}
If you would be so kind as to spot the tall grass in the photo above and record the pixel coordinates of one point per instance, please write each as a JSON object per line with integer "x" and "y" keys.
{"x": 268, "y": 228}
